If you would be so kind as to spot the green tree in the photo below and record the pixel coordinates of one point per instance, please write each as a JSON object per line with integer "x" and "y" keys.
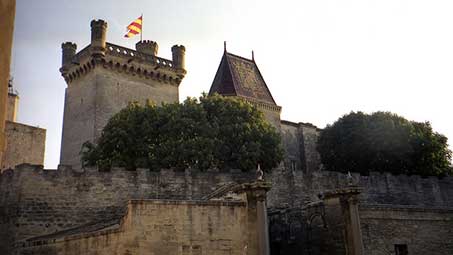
{"x": 212, "y": 132}
{"x": 383, "y": 142}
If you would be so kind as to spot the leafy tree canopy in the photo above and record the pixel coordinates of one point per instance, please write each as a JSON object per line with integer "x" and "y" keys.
{"x": 212, "y": 132}
{"x": 383, "y": 142}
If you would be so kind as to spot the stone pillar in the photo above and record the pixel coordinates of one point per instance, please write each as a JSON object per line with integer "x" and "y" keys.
{"x": 7, "y": 12}
{"x": 257, "y": 216}
{"x": 263, "y": 229}
{"x": 347, "y": 198}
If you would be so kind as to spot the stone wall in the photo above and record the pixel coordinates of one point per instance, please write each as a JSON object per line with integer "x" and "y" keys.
{"x": 296, "y": 188}
{"x": 34, "y": 201}
{"x": 422, "y": 230}
{"x": 91, "y": 100}
{"x": 163, "y": 227}
{"x": 270, "y": 112}
{"x": 310, "y": 156}
{"x": 291, "y": 144}
{"x": 25, "y": 144}
{"x": 316, "y": 229}
{"x": 299, "y": 141}
{"x": 395, "y": 210}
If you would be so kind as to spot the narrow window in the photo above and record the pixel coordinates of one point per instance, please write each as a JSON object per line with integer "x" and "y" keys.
{"x": 401, "y": 249}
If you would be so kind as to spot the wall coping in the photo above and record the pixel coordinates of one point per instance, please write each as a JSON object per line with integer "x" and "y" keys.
{"x": 67, "y": 169}
{"x": 13, "y": 123}
{"x": 186, "y": 202}
{"x": 406, "y": 208}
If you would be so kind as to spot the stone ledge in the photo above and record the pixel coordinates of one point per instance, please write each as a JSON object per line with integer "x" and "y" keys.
{"x": 186, "y": 202}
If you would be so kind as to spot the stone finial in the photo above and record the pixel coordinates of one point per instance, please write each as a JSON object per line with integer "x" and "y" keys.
{"x": 147, "y": 47}
{"x": 259, "y": 173}
{"x": 179, "y": 52}
{"x": 98, "y": 37}
{"x": 350, "y": 179}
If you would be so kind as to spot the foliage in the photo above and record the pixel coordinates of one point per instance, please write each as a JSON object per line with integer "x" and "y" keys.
{"x": 383, "y": 142}
{"x": 212, "y": 132}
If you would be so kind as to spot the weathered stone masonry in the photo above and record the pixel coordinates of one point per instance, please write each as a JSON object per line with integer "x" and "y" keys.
{"x": 35, "y": 202}
{"x": 220, "y": 226}
{"x": 25, "y": 144}
{"x": 394, "y": 210}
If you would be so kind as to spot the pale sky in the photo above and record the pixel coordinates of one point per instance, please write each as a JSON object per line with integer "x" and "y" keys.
{"x": 320, "y": 58}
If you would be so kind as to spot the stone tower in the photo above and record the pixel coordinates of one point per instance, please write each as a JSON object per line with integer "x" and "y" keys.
{"x": 103, "y": 78}
{"x": 240, "y": 77}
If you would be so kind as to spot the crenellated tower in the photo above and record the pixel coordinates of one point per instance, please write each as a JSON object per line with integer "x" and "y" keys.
{"x": 147, "y": 47}
{"x": 103, "y": 78}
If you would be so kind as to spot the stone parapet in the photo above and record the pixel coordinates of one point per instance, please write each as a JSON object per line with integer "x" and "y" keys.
{"x": 124, "y": 60}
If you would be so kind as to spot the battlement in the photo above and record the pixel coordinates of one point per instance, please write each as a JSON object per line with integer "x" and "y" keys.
{"x": 147, "y": 47}
{"x": 122, "y": 60}
{"x": 142, "y": 62}
{"x": 144, "y": 58}
{"x": 300, "y": 124}
{"x": 378, "y": 188}
{"x": 115, "y": 172}
{"x": 98, "y": 23}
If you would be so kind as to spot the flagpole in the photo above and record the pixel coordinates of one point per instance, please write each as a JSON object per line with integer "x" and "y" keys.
{"x": 141, "y": 33}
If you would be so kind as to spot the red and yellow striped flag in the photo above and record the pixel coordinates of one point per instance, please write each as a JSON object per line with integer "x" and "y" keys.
{"x": 134, "y": 28}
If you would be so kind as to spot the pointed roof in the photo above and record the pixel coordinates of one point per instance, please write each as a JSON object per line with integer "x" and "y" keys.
{"x": 238, "y": 76}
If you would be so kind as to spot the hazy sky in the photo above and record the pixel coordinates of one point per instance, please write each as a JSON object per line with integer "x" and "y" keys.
{"x": 320, "y": 58}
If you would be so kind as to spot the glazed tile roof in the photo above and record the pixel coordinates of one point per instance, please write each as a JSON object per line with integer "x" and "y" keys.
{"x": 238, "y": 76}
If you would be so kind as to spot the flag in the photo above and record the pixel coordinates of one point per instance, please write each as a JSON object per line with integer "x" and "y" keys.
{"x": 134, "y": 28}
